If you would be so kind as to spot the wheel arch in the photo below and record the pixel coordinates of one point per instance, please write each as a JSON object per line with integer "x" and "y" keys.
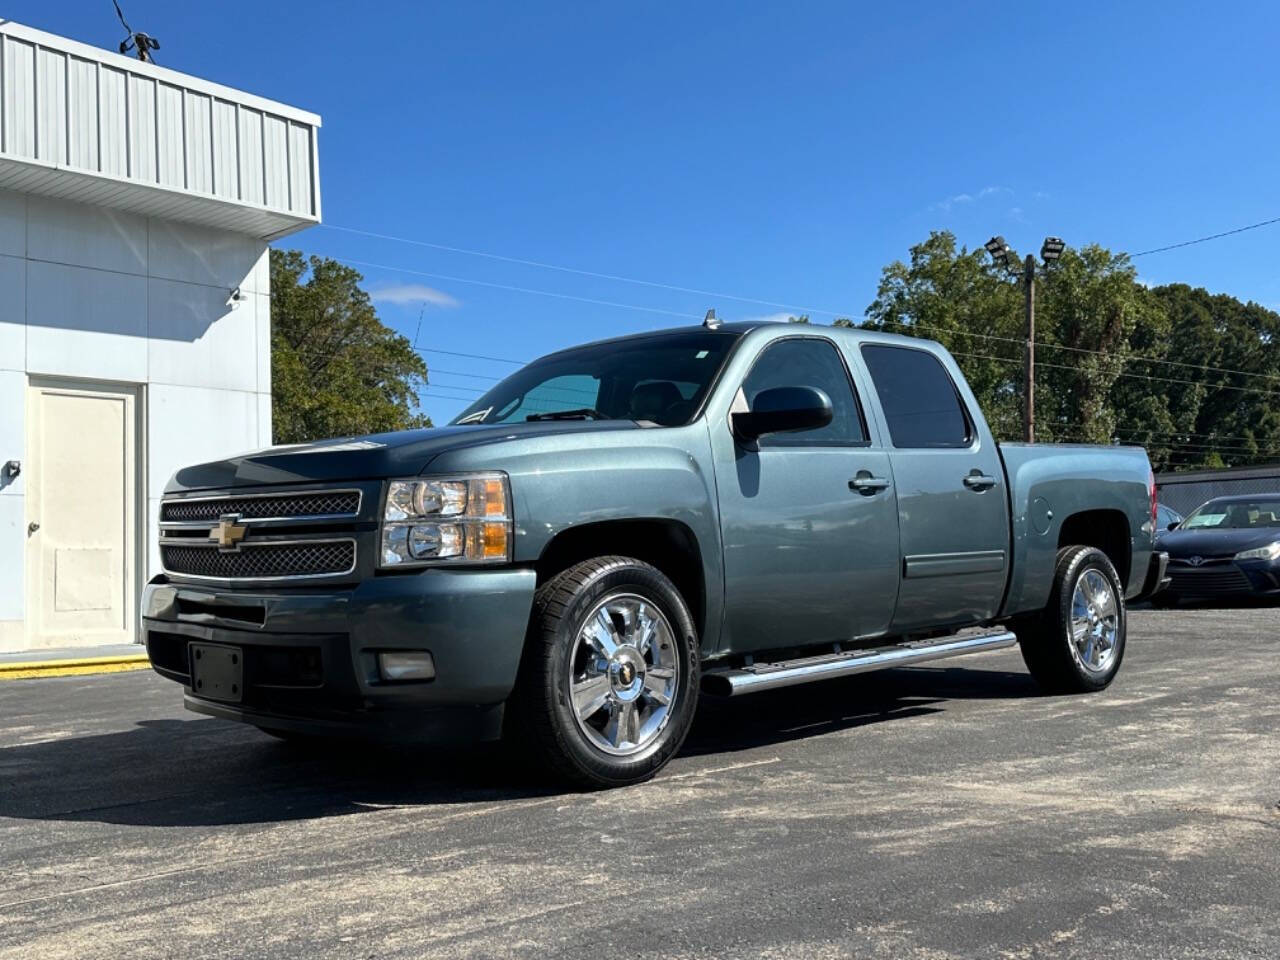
{"x": 1106, "y": 530}
{"x": 667, "y": 544}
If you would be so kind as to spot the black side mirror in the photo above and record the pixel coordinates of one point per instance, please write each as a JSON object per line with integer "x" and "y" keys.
{"x": 783, "y": 410}
{"x": 1173, "y": 526}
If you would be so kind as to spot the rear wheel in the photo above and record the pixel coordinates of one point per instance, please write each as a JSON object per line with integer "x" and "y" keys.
{"x": 609, "y": 680}
{"x": 1077, "y": 643}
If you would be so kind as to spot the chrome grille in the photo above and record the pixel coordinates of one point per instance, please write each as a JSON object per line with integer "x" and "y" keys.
{"x": 261, "y": 561}
{"x": 302, "y": 506}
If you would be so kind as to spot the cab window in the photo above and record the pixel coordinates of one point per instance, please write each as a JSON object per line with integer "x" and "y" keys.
{"x": 809, "y": 362}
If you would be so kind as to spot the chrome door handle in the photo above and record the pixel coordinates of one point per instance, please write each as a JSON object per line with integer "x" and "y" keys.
{"x": 979, "y": 482}
{"x": 866, "y": 484}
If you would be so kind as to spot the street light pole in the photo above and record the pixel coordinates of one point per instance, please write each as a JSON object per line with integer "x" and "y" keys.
{"x": 1004, "y": 258}
{"x": 1029, "y": 384}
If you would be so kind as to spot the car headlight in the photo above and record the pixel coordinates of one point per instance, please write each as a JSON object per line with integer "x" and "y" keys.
{"x": 1270, "y": 552}
{"x": 463, "y": 519}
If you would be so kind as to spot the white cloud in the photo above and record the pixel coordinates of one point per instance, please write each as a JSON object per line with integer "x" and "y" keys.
{"x": 963, "y": 198}
{"x": 412, "y": 294}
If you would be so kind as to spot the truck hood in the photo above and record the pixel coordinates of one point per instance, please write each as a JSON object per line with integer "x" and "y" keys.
{"x": 1208, "y": 542}
{"x": 375, "y": 456}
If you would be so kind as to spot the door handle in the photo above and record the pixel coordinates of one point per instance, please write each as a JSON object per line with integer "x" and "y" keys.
{"x": 866, "y": 484}
{"x": 979, "y": 482}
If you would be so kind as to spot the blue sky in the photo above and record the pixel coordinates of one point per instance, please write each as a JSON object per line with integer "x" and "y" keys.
{"x": 781, "y": 152}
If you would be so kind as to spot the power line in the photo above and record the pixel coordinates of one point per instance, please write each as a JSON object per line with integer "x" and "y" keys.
{"x": 771, "y": 303}
{"x": 1062, "y": 346}
{"x": 686, "y": 316}
{"x": 511, "y": 289}
{"x": 459, "y": 373}
{"x": 1214, "y": 236}
{"x": 472, "y": 356}
{"x": 574, "y": 270}
{"x": 1136, "y": 376}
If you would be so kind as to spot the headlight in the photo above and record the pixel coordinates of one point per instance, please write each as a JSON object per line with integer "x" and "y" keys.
{"x": 1270, "y": 552}
{"x": 465, "y": 519}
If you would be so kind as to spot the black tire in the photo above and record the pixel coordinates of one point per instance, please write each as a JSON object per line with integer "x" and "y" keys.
{"x": 540, "y": 717}
{"x": 1164, "y": 601}
{"x": 1047, "y": 647}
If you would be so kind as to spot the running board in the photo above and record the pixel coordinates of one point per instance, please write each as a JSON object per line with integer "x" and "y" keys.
{"x": 734, "y": 681}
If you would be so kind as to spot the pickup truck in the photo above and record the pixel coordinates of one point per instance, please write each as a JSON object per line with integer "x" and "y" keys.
{"x": 618, "y": 527}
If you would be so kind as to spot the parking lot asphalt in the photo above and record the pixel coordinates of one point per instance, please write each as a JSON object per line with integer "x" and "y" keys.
{"x": 947, "y": 811}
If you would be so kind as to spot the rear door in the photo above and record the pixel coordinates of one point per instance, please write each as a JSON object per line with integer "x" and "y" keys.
{"x": 953, "y": 514}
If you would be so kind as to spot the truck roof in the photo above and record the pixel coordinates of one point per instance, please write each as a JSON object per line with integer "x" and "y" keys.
{"x": 741, "y": 327}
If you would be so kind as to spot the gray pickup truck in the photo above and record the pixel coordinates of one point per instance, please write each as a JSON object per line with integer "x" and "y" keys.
{"x": 619, "y": 526}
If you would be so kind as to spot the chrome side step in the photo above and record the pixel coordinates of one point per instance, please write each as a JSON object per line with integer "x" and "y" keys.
{"x": 734, "y": 681}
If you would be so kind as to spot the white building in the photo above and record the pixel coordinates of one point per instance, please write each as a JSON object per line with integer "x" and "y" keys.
{"x": 136, "y": 204}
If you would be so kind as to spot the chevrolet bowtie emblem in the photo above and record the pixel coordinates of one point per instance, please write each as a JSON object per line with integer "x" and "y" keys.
{"x": 228, "y": 534}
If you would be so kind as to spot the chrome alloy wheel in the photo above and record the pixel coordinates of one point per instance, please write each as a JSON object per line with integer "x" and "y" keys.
{"x": 1095, "y": 622}
{"x": 623, "y": 674}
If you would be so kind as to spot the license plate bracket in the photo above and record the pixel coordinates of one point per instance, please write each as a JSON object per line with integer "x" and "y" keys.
{"x": 217, "y": 671}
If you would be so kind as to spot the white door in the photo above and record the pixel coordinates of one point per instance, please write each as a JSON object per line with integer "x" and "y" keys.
{"x": 81, "y": 514}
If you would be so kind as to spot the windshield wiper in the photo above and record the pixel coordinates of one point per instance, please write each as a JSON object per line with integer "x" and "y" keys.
{"x": 582, "y": 413}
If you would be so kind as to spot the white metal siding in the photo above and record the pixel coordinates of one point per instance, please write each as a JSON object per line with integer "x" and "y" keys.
{"x": 19, "y": 98}
{"x": 199, "y": 148}
{"x": 113, "y": 124}
{"x": 299, "y": 168}
{"x": 51, "y": 101}
{"x": 169, "y": 126}
{"x": 251, "y": 183}
{"x": 67, "y": 108}
{"x": 142, "y": 128}
{"x": 226, "y": 175}
{"x": 275, "y": 152}
{"x": 82, "y": 113}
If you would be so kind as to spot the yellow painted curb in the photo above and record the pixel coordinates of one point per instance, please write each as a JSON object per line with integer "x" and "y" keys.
{"x": 70, "y": 668}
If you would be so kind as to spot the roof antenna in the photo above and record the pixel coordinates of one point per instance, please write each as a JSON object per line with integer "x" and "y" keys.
{"x": 136, "y": 41}
{"x": 710, "y": 321}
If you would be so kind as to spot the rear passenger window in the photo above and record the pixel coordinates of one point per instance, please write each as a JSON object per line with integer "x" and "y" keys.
{"x": 918, "y": 397}
{"x": 808, "y": 362}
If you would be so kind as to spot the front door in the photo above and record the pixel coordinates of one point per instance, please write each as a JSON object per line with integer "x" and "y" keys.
{"x": 808, "y": 558}
{"x": 81, "y": 514}
{"x": 953, "y": 507}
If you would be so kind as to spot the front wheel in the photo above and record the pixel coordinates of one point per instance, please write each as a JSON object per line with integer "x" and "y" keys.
{"x": 609, "y": 678}
{"x": 1077, "y": 642}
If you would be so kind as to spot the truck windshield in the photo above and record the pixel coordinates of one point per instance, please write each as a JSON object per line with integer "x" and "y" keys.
{"x": 659, "y": 380}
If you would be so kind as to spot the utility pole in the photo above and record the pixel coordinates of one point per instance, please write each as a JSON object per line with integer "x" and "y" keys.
{"x": 1029, "y": 384}
{"x": 1005, "y": 259}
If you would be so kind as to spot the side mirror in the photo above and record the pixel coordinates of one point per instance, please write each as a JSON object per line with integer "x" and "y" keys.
{"x": 783, "y": 410}
{"x": 1173, "y": 526}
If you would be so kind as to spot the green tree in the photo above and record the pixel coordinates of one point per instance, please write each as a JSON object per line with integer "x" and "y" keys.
{"x": 1192, "y": 376}
{"x": 336, "y": 369}
{"x": 957, "y": 297}
{"x": 1231, "y": 351}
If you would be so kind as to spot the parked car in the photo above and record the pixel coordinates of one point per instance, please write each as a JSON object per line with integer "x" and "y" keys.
{"x": 736, "y": 507}
{"x": 1167, "y": 518}
{"x": 1228, "y": 547}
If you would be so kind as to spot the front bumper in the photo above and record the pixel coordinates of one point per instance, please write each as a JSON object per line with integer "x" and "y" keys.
{"x": 310, "y": 655}
{"x": 1225, "y": 578}
{"x": 1157, "y": 578}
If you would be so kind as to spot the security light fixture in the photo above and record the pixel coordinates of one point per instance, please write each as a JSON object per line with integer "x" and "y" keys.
{"x": 999, "y": 250}
{"x": 1052, "y": 249}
